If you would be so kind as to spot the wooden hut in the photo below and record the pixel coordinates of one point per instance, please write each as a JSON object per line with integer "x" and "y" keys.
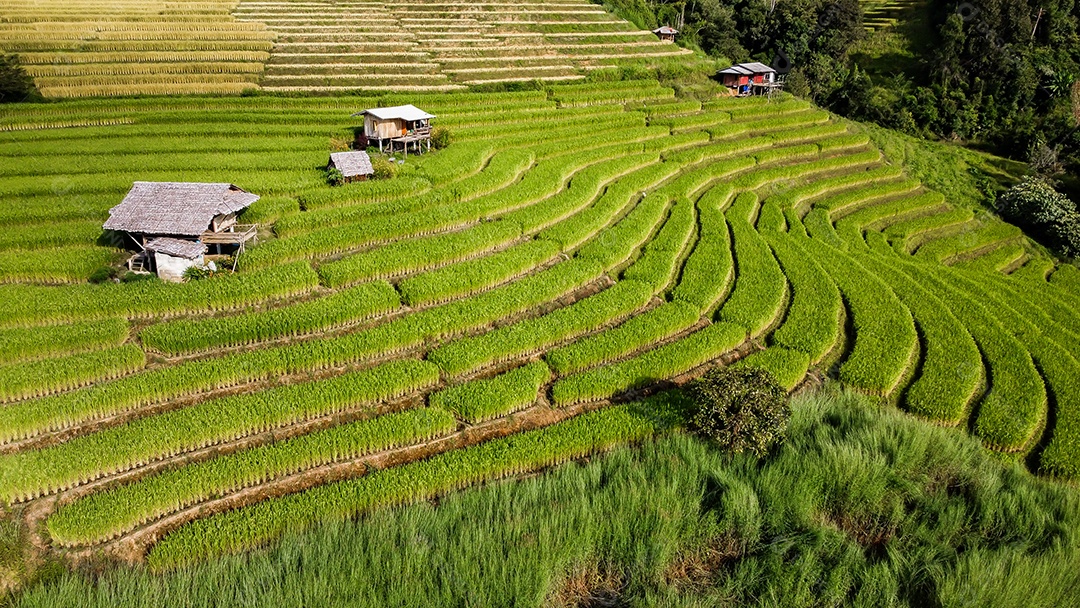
{"x": 199, "y": 214}
{"x": 403, "y": 125}
{"x": 748, "y": 78}
{"x": 354, "y": 166}
{"x": 666, "y": 32}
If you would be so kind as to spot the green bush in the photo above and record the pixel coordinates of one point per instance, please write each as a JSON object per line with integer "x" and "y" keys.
{"x": 441, "y": 137}
{"x": 102, "y": 274}
{"x": 15, "y": 84}
{"x": 1049, "y": 214}
{"x": 383, "y": 168}
{"x": 742, "y": 409}
{"x": 334, "y": 177}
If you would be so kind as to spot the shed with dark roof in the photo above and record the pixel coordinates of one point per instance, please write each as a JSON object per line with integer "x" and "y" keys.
{"x": 354, "y": 166}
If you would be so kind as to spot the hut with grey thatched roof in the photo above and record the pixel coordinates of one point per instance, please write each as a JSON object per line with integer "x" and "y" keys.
{"x": 354, "y": 166}
{"x": 168, "y": 214}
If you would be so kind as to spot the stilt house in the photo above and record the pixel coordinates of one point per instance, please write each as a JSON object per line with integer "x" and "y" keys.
{"x": 354, "y": 166}
{"x": 666, "y": 32}
{"x": 748, "y": 78}
{"x": 397, "y": 125}
{"x": 173, "y": 222}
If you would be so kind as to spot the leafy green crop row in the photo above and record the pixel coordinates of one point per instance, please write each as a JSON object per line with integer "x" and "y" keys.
{"x": 618, "y": 243}
{"x": 879, "y": 216}
{"x": 660, "y": 363}
{"x": 26, "y": 475}
{"x": 22, "y": 380}
{"x": 417, "y": 255}
{"x": 26, "y": 344}
{"x": 480, "y": 400}
{"x": 710, "y": 269}
{"x": 638, "y": 333}
{"x": 469, "y": 276}
{"x": 812, "y": 325}
{"x": 32, "y": 305}
{"x": 260, "y": 523}
{"x": 885, "y": 341}
{"x": 839, "y": 205}
{"x": 532, "y": 335}
{"x": 31, "y": 418}
{"x": 788, "y": 366}
{"x": 969, "y": 241}
{"x": 903, "y": 234}
{"x": 952, "y": 368}
{"x": 348, "y": 306}
{"x": 760, "y": 286}
{"x": 105, "y": 515}
{"x": 659, "y": 265}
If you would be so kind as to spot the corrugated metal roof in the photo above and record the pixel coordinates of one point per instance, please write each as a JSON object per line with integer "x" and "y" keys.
{"x": 746, "y": 69}
{"x": 176, "y": 207}
{"x": 352, "y": 164}
{"x": 665, "y": 29}
{"x": 179, "y": 248}
{"x": 406, "y": 112}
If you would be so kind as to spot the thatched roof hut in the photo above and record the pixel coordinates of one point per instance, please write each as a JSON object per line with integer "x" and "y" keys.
{"x": 177, "y": 248}
{"x": 666, "y": 32}
{"x": 353, "y": 165}
{"x": 178, "y": 208}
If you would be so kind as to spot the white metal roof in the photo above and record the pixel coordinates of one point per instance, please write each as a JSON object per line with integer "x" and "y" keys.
{"x": 746, "y": 69}
{"x": 665, "y": 29}
{"x": 407, "y": 112}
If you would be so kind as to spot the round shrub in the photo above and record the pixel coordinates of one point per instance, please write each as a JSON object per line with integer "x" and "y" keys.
{"x": 742, "y": 409}
{"x": 441, "y": 137}
{"x": 383, "y": 168}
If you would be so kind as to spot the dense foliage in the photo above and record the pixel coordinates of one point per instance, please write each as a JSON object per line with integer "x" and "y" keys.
{"x": 741, "y": 409}
{"x": 15, "y": 84}
{"x": 1048, "y": 214}
{"x": 998, "y": 71}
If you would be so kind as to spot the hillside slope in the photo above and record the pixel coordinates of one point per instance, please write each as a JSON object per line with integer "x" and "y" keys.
{"x": 478, "y": 315}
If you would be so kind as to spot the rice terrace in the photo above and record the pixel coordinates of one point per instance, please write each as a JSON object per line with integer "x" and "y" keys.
{"x": 450, "y": 367}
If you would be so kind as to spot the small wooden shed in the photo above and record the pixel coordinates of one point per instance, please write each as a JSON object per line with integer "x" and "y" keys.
{"x": 399, "y": 124}
{"x": 196, "y": 213}
{"x": 174, "y": 256}
{"x": 354, "y": 166}
{"x": 743, "y": 78}
{"x": 666, "y": 32}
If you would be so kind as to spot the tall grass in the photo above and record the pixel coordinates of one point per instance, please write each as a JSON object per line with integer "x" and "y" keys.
{"x": 861, "y": 506}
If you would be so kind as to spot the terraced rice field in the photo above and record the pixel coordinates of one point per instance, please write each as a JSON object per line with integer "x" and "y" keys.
{"x": 88, "y": 48}
{"x": 884, "y": 14}
{"x": 425, "y": 45}
{"x": 85, "y": 48}
{"x": 488, "y": 312}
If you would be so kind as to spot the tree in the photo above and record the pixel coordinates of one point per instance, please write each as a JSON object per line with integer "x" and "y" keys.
{"x": 15, "y": 84}
{"x": 741, "y": 409}
{"x": 1048, "y": 214}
